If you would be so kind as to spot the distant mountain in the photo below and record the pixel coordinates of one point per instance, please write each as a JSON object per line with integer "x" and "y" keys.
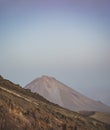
{"x": 21, "y": 109}
{"x": 59, "y": 93}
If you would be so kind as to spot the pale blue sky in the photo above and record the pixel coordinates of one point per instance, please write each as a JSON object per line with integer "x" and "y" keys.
{"x": 66, "y": 39}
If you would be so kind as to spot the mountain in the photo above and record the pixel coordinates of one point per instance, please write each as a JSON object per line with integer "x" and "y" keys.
{"x": 21, "y": 109}
{"x": 59, "y": 93}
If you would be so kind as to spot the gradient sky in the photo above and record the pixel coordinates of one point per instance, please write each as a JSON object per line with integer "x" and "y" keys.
{"x": 66, "y": 39}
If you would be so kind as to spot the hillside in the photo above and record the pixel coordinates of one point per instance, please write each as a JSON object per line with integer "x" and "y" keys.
{"x": 22, "y": 110}
{"x": 102, "y": 116}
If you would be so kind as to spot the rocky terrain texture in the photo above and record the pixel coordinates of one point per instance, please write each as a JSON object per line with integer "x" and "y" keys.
{"x": 21, "y": 109}
{"x": 59, "y": 93}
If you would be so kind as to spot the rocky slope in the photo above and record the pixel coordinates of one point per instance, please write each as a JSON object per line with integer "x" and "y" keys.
{"x": 22, "y": 110}
{"x": 59, "y": 93}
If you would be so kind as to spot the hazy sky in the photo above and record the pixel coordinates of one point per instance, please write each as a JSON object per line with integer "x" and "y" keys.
{"x": 66, "y": 39}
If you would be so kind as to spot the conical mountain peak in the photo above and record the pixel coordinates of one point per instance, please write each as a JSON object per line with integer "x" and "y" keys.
{"x": 59, "y": 93}
{"x": 46, "y": 78}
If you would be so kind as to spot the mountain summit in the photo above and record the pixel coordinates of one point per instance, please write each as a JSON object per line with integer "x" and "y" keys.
{"x": 59, "y": 93}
